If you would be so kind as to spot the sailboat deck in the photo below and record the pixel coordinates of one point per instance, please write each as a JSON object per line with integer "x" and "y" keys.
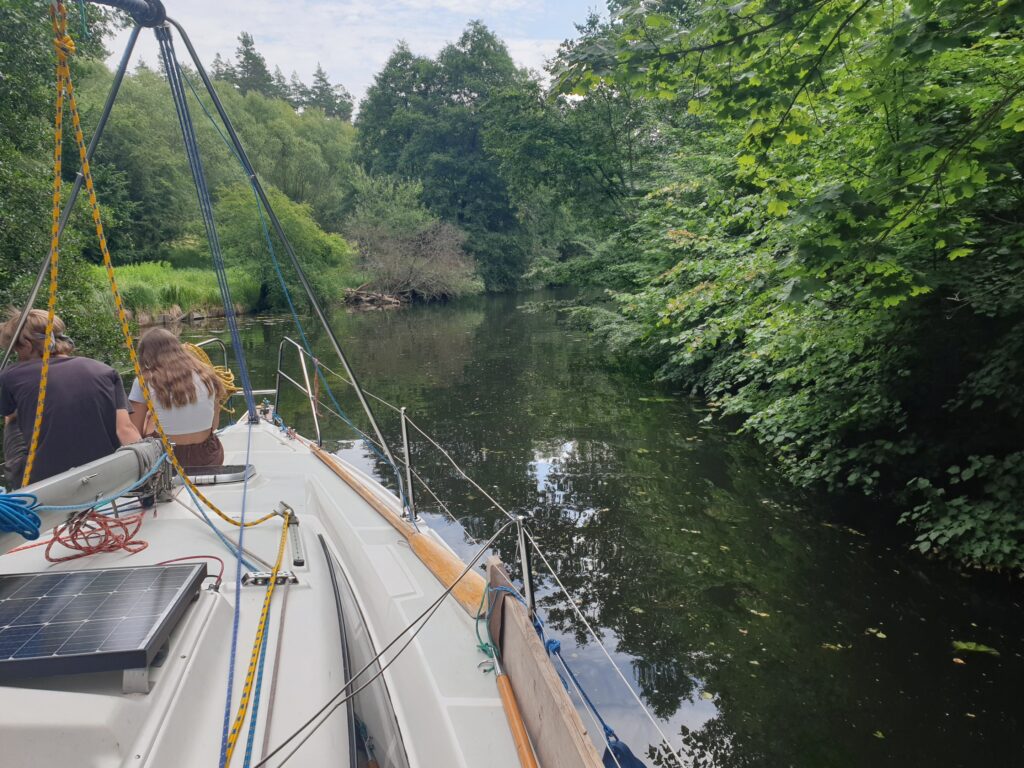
{"x": 448, "y": 711}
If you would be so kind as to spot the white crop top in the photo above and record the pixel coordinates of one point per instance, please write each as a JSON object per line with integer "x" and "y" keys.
{"x": 184, "y": 419}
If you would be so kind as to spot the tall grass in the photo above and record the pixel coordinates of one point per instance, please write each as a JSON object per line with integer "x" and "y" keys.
{"x": 155, "y": 287}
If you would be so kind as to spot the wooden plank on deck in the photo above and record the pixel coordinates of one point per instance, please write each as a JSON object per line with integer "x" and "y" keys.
{"x": 559, "y": 737}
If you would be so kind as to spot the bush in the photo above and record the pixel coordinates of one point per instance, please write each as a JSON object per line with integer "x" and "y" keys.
{"x": 403, "y": 249}
{"x": 325, "y": 257}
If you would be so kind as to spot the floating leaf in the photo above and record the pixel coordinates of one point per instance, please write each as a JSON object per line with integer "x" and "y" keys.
{"x": 878, "y": 735}
{"x": 707, "y": 695}
{"x": 960, "y": 645}
{"x": 958, "y": 660}
{"x": 762, "y": 614}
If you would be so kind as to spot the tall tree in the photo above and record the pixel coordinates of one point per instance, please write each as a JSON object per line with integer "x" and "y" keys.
{"x": 334, "y": 100}
{"x": 281, "y": 90}
{"x": 250, "y": 69}
{"x": 221, "y": 69}
{"x": 423, "y": 119}
{"x": 298, "y": 91}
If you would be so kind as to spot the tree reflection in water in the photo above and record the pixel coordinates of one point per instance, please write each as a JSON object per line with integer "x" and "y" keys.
{"x": 738, "y": 608}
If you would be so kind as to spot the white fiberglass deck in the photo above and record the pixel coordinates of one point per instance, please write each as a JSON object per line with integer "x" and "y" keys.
{"x": 448, "y": 711}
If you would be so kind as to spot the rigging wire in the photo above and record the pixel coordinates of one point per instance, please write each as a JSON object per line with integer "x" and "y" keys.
{"x": 225, "y": 755}
{"x": 462, "y": 472}
{"x": 339, "y": 698}
{"x": 373, "y": 445}
{"x": 188, "y": 132}
{"x": 600, "y": 644}
{"x": 591, "y": 710}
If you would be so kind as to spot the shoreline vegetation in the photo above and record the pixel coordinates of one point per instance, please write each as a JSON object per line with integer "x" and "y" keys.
{"x": 825, "y": 246}
{"x": 158, "y": 293}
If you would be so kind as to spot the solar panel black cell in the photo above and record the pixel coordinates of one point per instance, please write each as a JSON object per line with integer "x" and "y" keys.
{"x": 91, "y": 621}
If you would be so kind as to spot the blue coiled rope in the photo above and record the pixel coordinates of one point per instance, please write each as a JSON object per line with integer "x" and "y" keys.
{"x": 17, "y": 514}
{"x": 18, "y": 511}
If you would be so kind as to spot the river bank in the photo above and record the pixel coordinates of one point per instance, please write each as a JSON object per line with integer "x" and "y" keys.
{"x": 159, "y": 293}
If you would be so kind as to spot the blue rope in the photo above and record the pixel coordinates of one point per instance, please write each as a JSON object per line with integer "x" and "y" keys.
{"x": 17, "y": 514}
{"x": 237, "y": 613}
{"x": 188, "y": 133}
{"x": 232, "y": 547}
{"x": 18, "y": 511}
{"x": 114, "y": 497}
{"x": 291, "y": 305}
{"x": 251, "y": 738}
{"x": 554, "y": 648}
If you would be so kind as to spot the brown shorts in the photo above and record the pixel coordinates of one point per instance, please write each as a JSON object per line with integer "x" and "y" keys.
{"x": 209, "y": 453}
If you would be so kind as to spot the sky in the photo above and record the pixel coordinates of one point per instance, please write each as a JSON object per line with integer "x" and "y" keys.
{"x": 353, "y": 38}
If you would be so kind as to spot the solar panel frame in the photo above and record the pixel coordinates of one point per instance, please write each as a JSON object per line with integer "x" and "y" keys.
{"x": 67, "y": 602}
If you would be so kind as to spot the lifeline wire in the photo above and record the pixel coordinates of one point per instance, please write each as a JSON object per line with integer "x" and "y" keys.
{"x": 334, "y": 702}
{"x": 600, "y": 645}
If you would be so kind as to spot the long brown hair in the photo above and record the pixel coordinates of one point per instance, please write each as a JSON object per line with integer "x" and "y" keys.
{"x": 33, "y": 335}
{"x": 168, "y": 368}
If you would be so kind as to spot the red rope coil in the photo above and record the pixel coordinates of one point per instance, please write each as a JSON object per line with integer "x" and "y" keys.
{"x": 89, "y": 533}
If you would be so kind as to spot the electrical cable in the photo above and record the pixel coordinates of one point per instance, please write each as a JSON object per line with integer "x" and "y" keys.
{"x": 220, "y": 575}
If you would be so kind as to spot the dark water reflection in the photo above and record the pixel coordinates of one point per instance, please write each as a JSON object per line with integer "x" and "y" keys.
{"x": 759, "y": 629}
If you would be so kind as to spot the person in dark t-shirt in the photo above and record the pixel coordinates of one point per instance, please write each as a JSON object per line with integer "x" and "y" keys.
{"x": 85, "y": 416}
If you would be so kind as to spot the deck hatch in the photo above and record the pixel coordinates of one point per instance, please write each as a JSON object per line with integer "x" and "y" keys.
{"x": 91, "y": 621}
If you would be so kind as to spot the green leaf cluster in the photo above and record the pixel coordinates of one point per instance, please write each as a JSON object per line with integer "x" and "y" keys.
{"x": 830, "y": 247}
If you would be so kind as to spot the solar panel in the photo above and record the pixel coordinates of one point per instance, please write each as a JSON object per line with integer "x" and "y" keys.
{"x": 91, "y": 621}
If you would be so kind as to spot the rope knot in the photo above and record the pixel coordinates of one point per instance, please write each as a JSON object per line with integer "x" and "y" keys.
{"x": 64, "y": 44}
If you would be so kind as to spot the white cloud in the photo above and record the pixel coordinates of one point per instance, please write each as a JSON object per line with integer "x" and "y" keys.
{"x": 353, "y": 39}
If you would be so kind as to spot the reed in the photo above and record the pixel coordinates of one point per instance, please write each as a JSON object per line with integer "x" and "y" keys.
{"x": 157, "y": 287}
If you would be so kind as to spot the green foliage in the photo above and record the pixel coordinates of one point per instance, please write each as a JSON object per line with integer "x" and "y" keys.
{"x": 325, "y": 257}
{"x": 332, "y": 100}
{"x": 250, "y": 72}
{"x": 831, "y": 247}
{"x": 26, "y": 139}
{"x": 157, "y": 287}
{"x": 404, "y": 249}
{"x": 423, "y": 119}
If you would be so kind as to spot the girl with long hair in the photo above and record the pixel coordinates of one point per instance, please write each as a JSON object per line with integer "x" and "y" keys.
{"x": 187, "y": 394}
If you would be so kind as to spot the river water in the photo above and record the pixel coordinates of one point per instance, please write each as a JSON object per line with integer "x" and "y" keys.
{"x": 758, "y": 625}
